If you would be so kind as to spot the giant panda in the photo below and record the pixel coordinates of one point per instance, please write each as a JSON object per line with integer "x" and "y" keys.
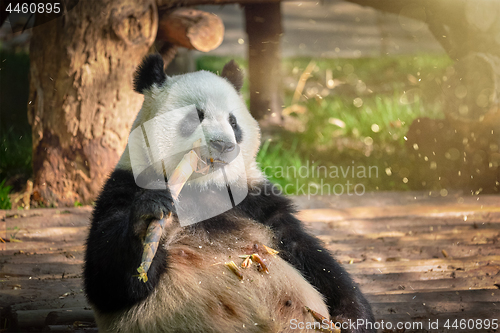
{"x": 189, "y": 287}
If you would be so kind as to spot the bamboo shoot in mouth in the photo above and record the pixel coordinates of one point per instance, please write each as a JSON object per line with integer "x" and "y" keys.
{"x": 188, "y": 164}
{"x": 182, "y": 173}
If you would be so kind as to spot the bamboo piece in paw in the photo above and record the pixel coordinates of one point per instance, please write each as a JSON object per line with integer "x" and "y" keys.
{"x": 176, "y": 182}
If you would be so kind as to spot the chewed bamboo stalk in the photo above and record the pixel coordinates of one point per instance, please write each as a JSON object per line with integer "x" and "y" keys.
{"x": 322, "y": 319}
{"x": 176, "y": 182}
{"x": 232, "y": 266}
{"x": 151, "y": 243}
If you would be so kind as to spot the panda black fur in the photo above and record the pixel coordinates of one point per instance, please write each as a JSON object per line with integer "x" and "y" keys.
{"x": 189, "y": 287}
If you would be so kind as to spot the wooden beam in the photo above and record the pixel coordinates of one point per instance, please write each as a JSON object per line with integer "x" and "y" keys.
{"x": 191, "y": 28}
{"x": 165, "y": 4}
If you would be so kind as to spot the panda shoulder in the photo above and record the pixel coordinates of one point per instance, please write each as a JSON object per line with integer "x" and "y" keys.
{"x": 266, "y": 200}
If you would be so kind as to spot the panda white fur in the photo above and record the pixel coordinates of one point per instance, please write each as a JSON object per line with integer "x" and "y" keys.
{"x": 190, "y": 289}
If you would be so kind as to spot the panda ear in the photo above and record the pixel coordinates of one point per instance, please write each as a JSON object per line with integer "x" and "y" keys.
{"x": 234, "y": 74}
{"x": 149, "y": 72}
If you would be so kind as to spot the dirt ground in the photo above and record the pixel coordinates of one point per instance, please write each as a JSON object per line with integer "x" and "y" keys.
{"x": 421, "y": 260}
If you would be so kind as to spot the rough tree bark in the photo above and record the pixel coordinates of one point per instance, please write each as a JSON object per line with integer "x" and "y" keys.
{"x": 82, "y": 102}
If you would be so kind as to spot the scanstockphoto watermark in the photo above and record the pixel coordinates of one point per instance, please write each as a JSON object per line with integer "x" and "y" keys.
{"x": 429, "y": 325}
{"x": 354, "y": 325}
{"x": 328, "y": 180}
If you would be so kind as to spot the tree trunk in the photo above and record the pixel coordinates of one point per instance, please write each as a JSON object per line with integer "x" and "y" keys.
{"x": 82, "y": 102}
{"x": 263, "y": 26}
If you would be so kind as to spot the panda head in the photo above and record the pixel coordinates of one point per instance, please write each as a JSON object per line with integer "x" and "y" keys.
{"x": 178, "y": 111}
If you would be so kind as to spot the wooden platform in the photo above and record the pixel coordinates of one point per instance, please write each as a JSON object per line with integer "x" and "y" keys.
{"x": 418, "y": 258}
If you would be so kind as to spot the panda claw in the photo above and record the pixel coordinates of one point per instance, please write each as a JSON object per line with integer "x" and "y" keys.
{"x": 150, "y": 205}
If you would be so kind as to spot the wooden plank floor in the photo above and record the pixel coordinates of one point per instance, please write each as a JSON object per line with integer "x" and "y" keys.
{"x": 419, "y": 259}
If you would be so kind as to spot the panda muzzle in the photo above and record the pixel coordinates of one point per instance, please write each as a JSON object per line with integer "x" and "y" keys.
{"x": 222, "y": 146}
{"x": 221, "y": 152}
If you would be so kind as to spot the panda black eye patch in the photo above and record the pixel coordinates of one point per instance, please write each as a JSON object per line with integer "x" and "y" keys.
{"x": 190, "y": 122}
{"x": 236, "y": 128}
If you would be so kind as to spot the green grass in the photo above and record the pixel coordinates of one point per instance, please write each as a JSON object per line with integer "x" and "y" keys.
{"x": 361, "y": 123}
{"x": 4, "y": 195}
{"x": 370, "y": 135}
{"x": 215, "y": 64}
{"x": 279, "y": 167}
{"x": 385, "y": 71}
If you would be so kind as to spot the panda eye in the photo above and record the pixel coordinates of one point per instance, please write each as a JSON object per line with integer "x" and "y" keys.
{"x": 232, "y": 121}
{"x": 201, "y": 114}
{"x": 190, "y": 122}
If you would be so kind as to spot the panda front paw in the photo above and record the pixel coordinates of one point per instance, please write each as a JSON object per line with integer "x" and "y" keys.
{"x": 149, "y": 205}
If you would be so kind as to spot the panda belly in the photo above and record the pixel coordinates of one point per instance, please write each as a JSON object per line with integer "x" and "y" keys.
{"x": 199, "y": 293}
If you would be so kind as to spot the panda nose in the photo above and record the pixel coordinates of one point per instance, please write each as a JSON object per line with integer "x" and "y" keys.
{"x": 222, "y": 146}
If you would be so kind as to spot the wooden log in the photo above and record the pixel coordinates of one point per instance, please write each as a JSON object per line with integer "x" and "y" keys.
{"x": 59, "y": 328}
{"x": 263, "y": 26}
{"x": 30, "y": 318}
{"x": 41, "y": 318}
{"x": 53, "y": 303}
{"x": 70, "y": 328}
{"x": 191, "y": 28}
{"x": 69, "y": 316}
